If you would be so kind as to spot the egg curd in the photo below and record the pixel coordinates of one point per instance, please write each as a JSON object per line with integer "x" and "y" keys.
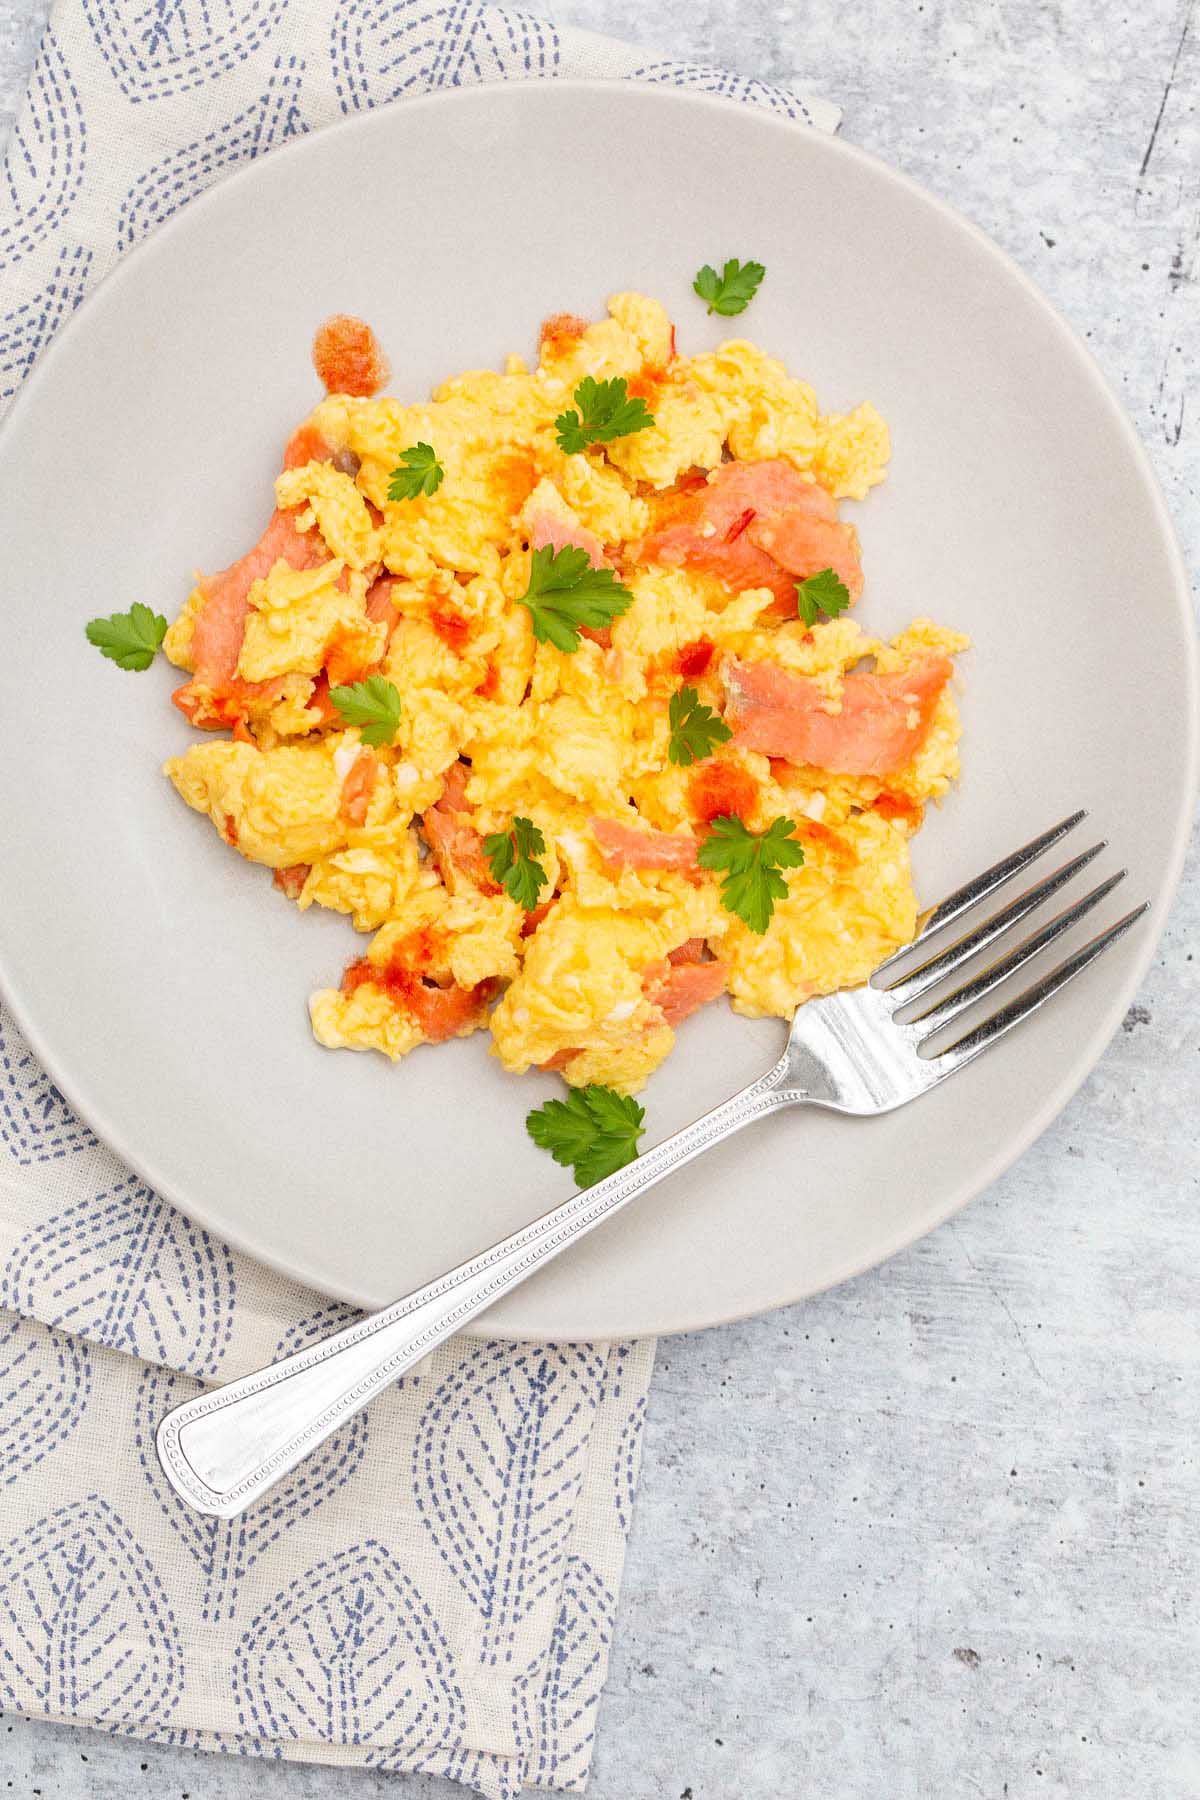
{"x": 709, "y": 516}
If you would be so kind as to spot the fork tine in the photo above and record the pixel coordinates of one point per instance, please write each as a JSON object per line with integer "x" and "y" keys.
{"x": 928, "y": 974}
{"x": 1001, "y": 1022}
{"x": 942, "y": 1011}
{"x": 984, "y": 885}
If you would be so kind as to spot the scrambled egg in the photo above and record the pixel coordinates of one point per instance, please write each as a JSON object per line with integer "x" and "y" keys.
{"x": 425, "y": 593}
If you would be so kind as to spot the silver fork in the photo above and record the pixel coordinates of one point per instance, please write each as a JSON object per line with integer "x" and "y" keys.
{"x": 864, "y": 1051}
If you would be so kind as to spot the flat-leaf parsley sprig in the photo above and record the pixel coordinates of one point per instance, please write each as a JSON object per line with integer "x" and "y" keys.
{"x": 373, "y": 705}
{"x": 594, "y": 1130}
{"x": 512, "y": 856}
{"x": 732, "y": 290}
{"x": 823, "y": 592}
{"x": 566, "y": 591}
{"x": 420, "y": 472}
{"x": 132, "y": 640}
{"x": 751, "y": 862}
{"x": 696, "y": 730}
{"x": 605, "y": 411}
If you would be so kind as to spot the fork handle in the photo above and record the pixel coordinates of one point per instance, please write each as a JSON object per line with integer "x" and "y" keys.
{"x": 223, "y": 1449}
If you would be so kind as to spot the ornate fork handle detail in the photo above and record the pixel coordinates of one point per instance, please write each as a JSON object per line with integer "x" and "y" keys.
{"x": 223, "y": 1449}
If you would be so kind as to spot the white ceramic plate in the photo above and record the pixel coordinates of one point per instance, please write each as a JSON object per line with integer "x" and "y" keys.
{"x": 163, "y": 981}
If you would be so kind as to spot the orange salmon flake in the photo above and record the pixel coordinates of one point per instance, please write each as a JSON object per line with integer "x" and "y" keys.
{"x": 347, "y": 357}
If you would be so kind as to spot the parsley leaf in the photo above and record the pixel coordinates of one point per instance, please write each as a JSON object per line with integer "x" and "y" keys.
{"x": 131, "y": 640}
{"x": 732, "y": 290}
{"x": 824, "y": 593}
{"x": 374, "y": 704}
{"x": 595, "y": 1130}
{"x": 420, "y": 473}
{"x": 751, "y": 862}
{"x": 695, "y": 729}
{"x": 565, "y": 592}
{"x": 605, "y": 412}
{"x": 511, "y": 854}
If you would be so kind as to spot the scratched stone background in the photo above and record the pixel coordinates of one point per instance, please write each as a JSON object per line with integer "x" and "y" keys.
{"x": 935, "y": 1534}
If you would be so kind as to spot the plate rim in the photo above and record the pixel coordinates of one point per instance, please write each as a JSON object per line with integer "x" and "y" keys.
{"x": 1092, "y": 1049}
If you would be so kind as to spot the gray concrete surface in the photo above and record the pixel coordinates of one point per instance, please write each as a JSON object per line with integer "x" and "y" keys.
{"x": 935, "y": 1534}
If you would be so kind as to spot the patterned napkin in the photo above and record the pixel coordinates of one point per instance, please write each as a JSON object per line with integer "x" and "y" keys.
{"x": 434, "y": 1588}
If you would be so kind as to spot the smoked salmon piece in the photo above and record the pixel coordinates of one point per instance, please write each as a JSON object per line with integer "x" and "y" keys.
{"x": 454, "y": 787}
{"x": 320, "y": 703}
{"x": 441, "y": 1012}
{"x": 221, "y": 621}
{"x": 632, "y": 847}
{"x": 532, "y": 920}
{"x": 690, "y": 951}
{"x": 348, "y": 358}
{"x": 306, "y": 445}
{"x": 803, "y": 545}
{"x": 457, "y": 849}
{"x": 380, "y": 606}
{"x": 379, "y": 600}
{"x": 883, "y": 722}
{"x": 678, "y": 989}
{"x": 358, "y": 787}
{"x": 456, "y": 846}
{"x": 544, "y": 528}
{"x": 292, "y": 879}
{"x": 758, "y": 525}
{"x": 449, "y": 1012}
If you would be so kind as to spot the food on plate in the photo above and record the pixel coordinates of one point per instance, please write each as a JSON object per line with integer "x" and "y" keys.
{"x": 555, "y": 686}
